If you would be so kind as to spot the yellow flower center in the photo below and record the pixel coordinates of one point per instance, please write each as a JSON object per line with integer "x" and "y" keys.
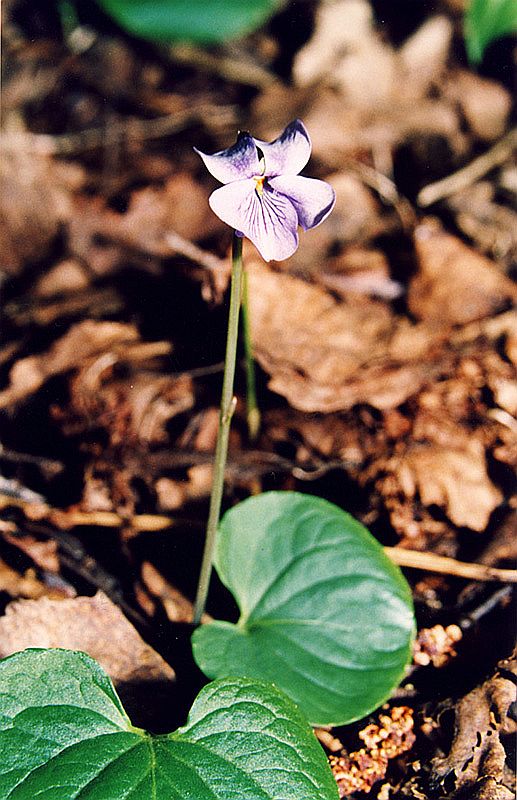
{"x": 259, "y": 184}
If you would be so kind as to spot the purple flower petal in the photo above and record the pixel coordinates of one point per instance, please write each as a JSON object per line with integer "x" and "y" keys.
{"x": 313, "y": 199}
{"x": 236, "y": 162}
{"x": 268, "y": 219}
{"x": 288, "y": 154}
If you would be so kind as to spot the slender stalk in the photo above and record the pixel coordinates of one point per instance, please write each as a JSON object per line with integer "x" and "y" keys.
{"x": 225, "y": 416}
{"x": 252, "y": 409}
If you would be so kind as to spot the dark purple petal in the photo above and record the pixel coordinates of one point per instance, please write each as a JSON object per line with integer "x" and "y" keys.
{"x": 236, "y": 163}
{"x": 312, "y": 199}
{"x": 288, "y": 154}
{"x": 268, "y": 219}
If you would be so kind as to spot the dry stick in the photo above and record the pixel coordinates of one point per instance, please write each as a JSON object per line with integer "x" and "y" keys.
{"x": 131, "y": 129}
{"x": 225, "y": 416}
{"x": 387, "y": 191}
{"x": 466, "y": 176}
{"x": 234, "y": 68}
{"x": 194, "y": 253}
{"x": 430, "y": 562}
{"x": 412, "y": 559}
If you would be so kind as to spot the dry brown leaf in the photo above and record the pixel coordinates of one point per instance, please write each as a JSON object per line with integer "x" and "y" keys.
{"x": 43, "y": 553}
{"x": 489, "y": 224}
{"x": 360, "y": 271}
{"x": 91, "y": 624}
{"x": 181, "y": 205}
{"x": 177, "y": 607}
{"x": 486, "y": 104}
{"x": 477, "y": 754}
{"x": 453, "y": 477}
{"x": 35, "y": 199}
{"x": 26, "y": 585}
{"x": 80, "y": 342}
{"x": 134, "y": 410}
{"x": 340, "y": 27}
{"x": 370, "y": 96}
{"x": 423, "y": 55}
{"x": 65, "y": 277}
{"x": 326, "y": 355}
{"x": 173, "y": 494}
{"x": 454, "y": 284}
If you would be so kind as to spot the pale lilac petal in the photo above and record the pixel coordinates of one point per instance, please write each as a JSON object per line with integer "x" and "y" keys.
{"x": 312, "y": 199}
{"x": 269, "y": 220}
{"x": 236, "y": 162}
{"x": 288, "y": 154}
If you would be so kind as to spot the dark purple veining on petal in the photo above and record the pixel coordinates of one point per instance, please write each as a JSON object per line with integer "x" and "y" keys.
{"x": 264, "y": 197}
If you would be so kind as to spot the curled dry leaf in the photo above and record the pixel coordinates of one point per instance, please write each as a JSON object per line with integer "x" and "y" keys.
{"x": 81, "y": 341}
{"x": 326, "y": 355}
{"x": 133, "y": 410}
{"x": 477, "y": 757}
{"x": 371, "y": 96}
{"x": 339, "y": 27}
{"x": 454, "y": 285}
{"x": 486, "y": 104}
{"x": 453, "y": 477}
{"x": 91, "y": 624}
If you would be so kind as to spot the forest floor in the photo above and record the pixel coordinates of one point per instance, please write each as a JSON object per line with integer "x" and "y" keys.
{"x": 386, "y": 349}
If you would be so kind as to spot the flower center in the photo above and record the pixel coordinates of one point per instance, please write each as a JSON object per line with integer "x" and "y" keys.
{"x": 259, "y": 184}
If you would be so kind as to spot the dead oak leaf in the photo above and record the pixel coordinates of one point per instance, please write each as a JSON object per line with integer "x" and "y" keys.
{"x": 452, "y": 477}
{"x": 454, "y": 284}
{"x": 81, "y": 341}
{"x": 328, "y": 355}
{"x": 91, "y": 624}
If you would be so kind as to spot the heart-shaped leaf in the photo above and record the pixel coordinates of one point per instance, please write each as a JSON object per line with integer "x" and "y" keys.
{"x": 325, "y": 615}
{"x": 65, "y": 735}
{"x": 190, "y": 20}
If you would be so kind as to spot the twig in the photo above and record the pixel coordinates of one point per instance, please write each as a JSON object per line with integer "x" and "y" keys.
{"x": 194, "y": 253}
{"x": 387, "y": 191}
{"x": 49, "y": 465}
{"x": 232, "y": 68}
{"x": 467, "y": 175}
{"x": 130, "y": 129}
{"x": 430, "y": 562}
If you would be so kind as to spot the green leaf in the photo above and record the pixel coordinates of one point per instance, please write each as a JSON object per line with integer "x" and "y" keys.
{"x": 486, "y": 21}
{"x": 205, "y": 21}
{"x": 325, "y": 615}
{"x": 64, "y": 735}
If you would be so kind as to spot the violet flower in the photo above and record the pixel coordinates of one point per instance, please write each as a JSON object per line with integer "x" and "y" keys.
{"x": 264, "y": 197}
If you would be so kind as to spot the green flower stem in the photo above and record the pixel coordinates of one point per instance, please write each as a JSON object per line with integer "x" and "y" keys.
{"x": 252, "y": 409}
{"x": 225, "y": 416}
